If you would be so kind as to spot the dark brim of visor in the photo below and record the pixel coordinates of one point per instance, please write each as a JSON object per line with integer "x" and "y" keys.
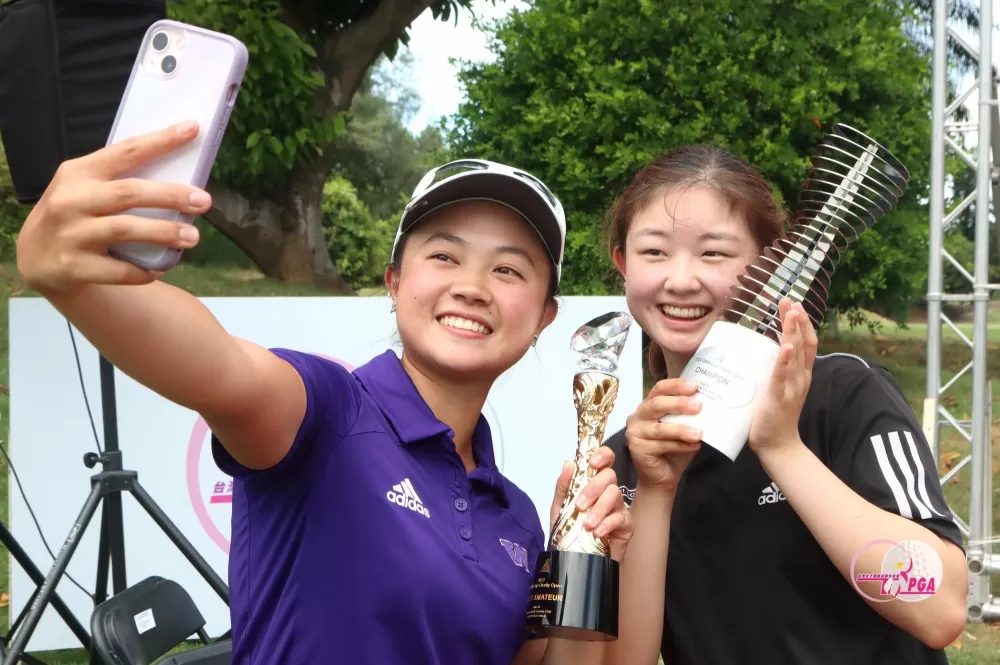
{"x": 523, "y": 197}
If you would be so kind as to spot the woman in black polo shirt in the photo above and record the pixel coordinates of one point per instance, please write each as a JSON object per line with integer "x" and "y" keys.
{"x": 756, "y": 561}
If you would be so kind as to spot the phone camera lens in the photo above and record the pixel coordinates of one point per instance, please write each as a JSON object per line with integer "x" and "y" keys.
{"x": 160, "y": 41}
{"x": 169, "y": 64}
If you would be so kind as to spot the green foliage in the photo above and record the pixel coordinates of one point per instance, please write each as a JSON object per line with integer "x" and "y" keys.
{"x": 583, "y": 94}
{"x": 358, "y": 243}
{"x": 379, "y": 161}
{"x": 276, "y": 123}
{"x": 960, "y": 12}
{"x": 282, "y": 117}
{"x": 325, "y": 17}
{"x": 963, "y": 250}
{"x": 329, "y": 16}
{"x": 885, "y": 270}
{"x": 963, "y": 183}
{"x": 12, "y": 213}
{"x": 291, "y": 107}
{"x": 377, "y": 153}
{"x": 215, "y": 249}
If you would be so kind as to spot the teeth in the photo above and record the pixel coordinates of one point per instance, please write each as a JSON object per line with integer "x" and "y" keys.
{"x": 464, "y": 324}
{"x": 684, "y": 312}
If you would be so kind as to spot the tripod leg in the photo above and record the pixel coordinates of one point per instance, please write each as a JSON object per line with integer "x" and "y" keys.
{"x": 113, "y": 502}
{"x": 182, "y": 543}
{"x": 116, "y": 541}
{"x": 103, "y": 560}
{"x": 20, "y": 640}
{"x": 31, "y": 660}
{"x": 23, "y": 560}
{"x": 103, "y": 565}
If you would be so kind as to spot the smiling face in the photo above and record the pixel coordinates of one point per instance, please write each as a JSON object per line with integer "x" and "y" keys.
{"x": 682, "y": 254}
{"x": 472, "y": 290}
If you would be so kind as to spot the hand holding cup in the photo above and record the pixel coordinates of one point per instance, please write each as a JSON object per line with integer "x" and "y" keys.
{"x": 661, "y": 451}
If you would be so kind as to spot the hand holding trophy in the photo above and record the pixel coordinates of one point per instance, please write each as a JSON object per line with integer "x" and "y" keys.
{"x": 575, "y": 590}
{"x": 852, "y": 183}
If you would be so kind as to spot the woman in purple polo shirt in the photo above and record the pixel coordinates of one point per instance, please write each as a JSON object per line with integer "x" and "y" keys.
{"x": 370, "y": 521}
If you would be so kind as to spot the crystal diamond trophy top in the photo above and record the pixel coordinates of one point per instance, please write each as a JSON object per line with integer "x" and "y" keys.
{"x": 853, "y": 181}
{"x": 574, "y": 594}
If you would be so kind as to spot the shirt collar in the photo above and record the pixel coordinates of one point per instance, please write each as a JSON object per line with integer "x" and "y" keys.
{"x": 384, "y": 378}
{"x": 487, "y": 471}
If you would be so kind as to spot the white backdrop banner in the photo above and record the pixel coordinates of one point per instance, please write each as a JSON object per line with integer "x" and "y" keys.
{"x": 530, "y": 411}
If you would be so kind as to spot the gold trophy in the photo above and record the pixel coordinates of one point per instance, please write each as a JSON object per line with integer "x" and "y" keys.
{"x": 574, "y": 594}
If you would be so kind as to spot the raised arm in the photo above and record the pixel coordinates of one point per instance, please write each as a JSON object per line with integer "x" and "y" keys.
{"x": 859, "y": 500}
{"x": 161, "y": 336}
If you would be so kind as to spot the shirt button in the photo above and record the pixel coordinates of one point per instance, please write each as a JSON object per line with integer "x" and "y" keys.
{"x": 465, "y": 533}
{"x": 461, "y": 505}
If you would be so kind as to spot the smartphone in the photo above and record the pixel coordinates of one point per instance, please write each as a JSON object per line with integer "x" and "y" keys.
{"x": 182, "y": 72}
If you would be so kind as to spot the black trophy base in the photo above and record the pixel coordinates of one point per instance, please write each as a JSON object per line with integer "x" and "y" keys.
{"x": 574, "y": 597}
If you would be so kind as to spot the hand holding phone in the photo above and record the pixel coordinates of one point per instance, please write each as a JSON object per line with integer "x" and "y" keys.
{"x": 181, "y": 73}
{"x": 63, "y": 244}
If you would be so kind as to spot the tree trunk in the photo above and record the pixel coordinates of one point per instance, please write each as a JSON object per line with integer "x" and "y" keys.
{"x": 833, "y": 324}
{"x": 284, "y": 238}
{"x": 283, "y": 235}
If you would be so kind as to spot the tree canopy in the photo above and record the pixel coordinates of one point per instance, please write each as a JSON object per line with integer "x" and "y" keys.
{"x": 378, "y": 162}
{"x": 307, "y": 60}
{"x": 584, "y": 93}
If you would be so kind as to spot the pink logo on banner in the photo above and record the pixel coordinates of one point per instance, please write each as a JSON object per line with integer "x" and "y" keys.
{"x": 212, "y": 502}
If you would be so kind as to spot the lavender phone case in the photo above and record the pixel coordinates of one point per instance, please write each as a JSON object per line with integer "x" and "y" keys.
{"x": 182, "y": 72}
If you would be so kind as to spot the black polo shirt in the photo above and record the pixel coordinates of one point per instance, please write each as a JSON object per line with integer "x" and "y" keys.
{"x": 746, "y": 580}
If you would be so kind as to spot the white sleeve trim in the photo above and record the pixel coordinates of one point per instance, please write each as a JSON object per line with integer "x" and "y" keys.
{"x": 921, "y": 479}
{"x": 890, "y": 477}
{"x": 914, "y": 498}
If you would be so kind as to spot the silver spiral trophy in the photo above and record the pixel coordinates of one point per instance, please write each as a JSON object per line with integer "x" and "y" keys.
{"x": 853, "y": 182}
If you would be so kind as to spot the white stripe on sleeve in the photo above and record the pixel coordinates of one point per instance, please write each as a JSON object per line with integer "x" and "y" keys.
{"x": 921, "y": 474}
{"x": 890, "y": 477}
{"x": 904, "y": 466}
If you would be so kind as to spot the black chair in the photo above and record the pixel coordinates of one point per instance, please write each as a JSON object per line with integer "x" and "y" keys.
{"x": 149, "y": 619}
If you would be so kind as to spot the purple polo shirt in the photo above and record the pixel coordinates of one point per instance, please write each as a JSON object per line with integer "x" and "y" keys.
{"x": 369, "y": 543}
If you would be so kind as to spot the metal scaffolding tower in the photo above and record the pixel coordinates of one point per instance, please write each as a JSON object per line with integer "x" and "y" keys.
{"x": 982, "y": 563}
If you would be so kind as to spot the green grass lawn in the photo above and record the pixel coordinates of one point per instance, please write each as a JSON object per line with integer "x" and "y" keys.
{"x": 903, "y": 351}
